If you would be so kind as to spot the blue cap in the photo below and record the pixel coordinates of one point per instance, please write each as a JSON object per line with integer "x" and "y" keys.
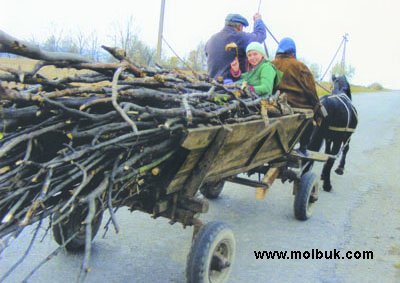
{"x": 236, "y": 18}
{"x": 287, "y": 45}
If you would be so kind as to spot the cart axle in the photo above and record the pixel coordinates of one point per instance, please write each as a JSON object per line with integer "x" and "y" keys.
{"x": 248, "y": 182}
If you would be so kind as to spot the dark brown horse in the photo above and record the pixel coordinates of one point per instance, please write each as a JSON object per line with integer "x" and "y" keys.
{"x": 336, "y": 129}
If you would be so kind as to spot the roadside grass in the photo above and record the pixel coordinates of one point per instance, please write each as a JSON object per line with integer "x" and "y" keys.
{"x": 354, "y": 88}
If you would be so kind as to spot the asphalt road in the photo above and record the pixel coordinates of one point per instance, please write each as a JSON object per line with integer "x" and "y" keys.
{"x": 361, "y": 213}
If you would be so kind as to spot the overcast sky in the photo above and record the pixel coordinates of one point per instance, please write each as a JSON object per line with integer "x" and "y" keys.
{"x": 317, "y": 26}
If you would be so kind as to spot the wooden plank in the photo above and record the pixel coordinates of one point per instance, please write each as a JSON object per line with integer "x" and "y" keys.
{"x": 282, "y": 134}
{"x": 239, "y": 149}
{"x": 202, "y": 167}
{"x": 245, "y": 146}
{"x": 268, "y": 179}
{"x": 313, "y": 155}
{"x": 265, "y": 140}
{"x": 307, "y": 112}
{"x": 184, "y": 171}
{"x": 199, "y": 138}
{"x": 217, "y": 175}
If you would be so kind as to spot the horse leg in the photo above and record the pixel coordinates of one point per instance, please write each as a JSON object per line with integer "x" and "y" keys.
{"x": 340, "y": 169}
{"x": 315, "y": 144}
{"x": 326, "y": 171}
{"x": 328, "y": 150}
{"x": 306, "y": 137}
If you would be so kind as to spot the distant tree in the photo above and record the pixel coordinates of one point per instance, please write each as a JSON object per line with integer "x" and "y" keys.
{"x": 192, "y": 60}
{"x": 315, "y": 70}
{"x": 67, "y": 44}
{"x": 173, "y": 62}
{"x": 81, "y": 42}
{"x": 94, "y": 47}
{"x": 376, "y": 86}
{"x": 197, "y": 59}
{"x": 346, "y": 70}
{"x": 142, "y": 53}
{"x": 32, "y": 40}
{"x": 202, "y": 58}
{"x": 126, "y": 37}
{"x": 53, "y": 41}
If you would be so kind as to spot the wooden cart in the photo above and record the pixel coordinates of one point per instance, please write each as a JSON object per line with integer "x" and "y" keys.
{"x": 208, "y": 157}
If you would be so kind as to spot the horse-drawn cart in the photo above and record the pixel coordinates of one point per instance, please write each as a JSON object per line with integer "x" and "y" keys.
{"x": 121, "y": 135}
{"x": 208, "y": 157}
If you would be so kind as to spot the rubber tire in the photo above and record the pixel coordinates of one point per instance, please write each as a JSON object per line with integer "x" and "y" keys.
{"x": 72, "y": 224}
{"x": 211, "y": 236}
{"x": 302, "y": 205}
{"x": 212, "y": 190}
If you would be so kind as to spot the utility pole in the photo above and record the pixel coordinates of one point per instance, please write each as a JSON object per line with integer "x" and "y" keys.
{"x": 160, "y": 31}
{"x": 343, "y": 63}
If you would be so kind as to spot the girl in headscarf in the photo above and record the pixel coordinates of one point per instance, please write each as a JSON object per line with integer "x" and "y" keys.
{"x": 262, "y": 77}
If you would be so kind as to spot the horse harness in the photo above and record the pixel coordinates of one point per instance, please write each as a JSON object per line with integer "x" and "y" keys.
{"x": 341, "y": 97}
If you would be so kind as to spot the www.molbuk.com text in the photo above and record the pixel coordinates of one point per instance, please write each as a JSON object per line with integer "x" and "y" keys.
{"x": 314, "y": 254}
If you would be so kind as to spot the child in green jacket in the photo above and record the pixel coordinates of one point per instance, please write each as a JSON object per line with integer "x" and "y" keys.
{"x": 262, "y": 77}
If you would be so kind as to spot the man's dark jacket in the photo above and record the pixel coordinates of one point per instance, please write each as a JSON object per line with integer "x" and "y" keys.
{"x": 218, "y": 60}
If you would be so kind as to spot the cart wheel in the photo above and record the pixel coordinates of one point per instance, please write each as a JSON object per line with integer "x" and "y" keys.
{"x": 212, "y": 190}
{"x": 306, "y": 195}
{"x": 74, "y": 223}
{"x": 211, "y": 255}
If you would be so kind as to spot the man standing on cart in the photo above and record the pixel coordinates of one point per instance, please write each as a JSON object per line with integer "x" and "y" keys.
{"x": 218, "y": 58}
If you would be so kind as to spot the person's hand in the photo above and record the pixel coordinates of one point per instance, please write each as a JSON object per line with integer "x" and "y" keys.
{"x": 256, "y": 16}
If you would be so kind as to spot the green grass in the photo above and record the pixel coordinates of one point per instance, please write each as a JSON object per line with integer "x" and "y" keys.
{"x": 354, "y": 88}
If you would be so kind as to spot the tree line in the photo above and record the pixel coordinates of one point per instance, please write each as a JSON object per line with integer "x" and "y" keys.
{"x": 124, "y": 36}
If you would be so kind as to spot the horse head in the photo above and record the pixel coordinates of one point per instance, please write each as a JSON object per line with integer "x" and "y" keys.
{"x": 341, "y": 85}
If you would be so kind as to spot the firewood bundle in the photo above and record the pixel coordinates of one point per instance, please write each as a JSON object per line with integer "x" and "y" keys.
{"x": 101, "y": 135}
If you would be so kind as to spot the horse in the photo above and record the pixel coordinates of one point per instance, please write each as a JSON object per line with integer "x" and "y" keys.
{"x": 335, "y": 129}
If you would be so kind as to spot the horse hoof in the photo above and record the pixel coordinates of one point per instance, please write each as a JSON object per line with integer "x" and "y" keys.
{"x": 327, "y": 187}
{"x": 339, "y": 171}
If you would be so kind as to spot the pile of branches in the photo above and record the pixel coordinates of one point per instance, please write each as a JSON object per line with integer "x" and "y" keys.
{"x": 92, "y": 135}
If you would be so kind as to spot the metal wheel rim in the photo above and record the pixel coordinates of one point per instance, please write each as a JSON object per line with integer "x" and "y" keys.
{"x": 223, "y": 250}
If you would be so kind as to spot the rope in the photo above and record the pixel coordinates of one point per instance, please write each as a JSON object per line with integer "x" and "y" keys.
{"x": 277, "y": 42}
{"x": 273, "y": 37}
{"x": 265, "y": 46}
{"x": 344, "y": 40}
{"x": 321, "y": 86}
